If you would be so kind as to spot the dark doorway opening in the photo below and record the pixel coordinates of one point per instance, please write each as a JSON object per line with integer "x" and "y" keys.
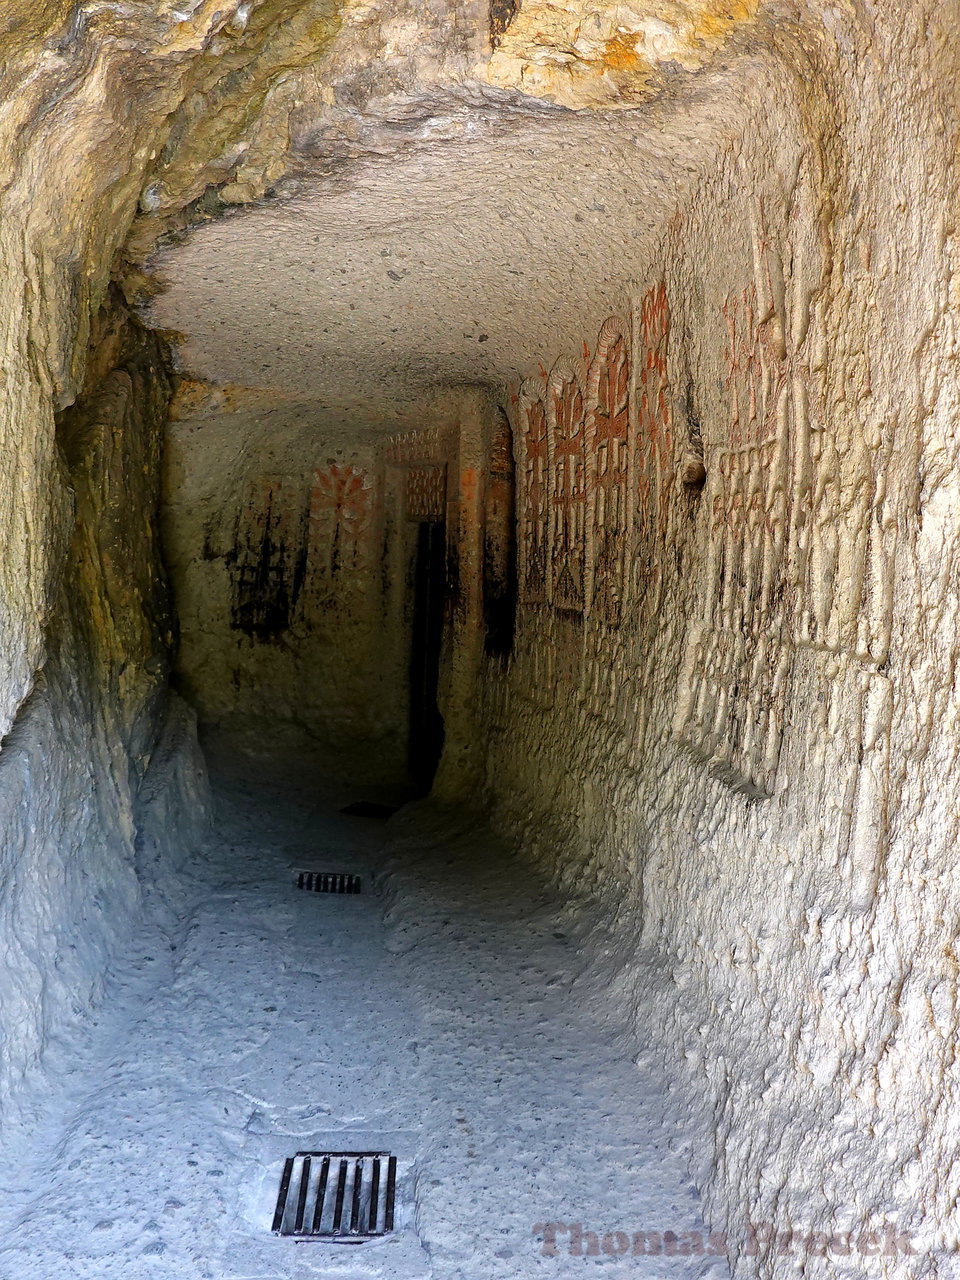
{"x": 429, "y": 598}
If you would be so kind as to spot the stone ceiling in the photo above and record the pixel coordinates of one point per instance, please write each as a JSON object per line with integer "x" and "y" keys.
{"x": 462, "y": 258}
{"x": 443, "y": 219}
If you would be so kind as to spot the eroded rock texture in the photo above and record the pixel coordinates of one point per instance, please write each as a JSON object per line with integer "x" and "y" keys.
{"x": 581, "y": 53}
{"x": 99, "y": 734}
{"x": 105, "y": 109}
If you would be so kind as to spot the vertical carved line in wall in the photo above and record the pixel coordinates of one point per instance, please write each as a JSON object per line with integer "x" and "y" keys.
{"x": 567, "y": 466}
{"x": 533, "y": 661}
{"x": 843, "y": 565}
{"x": 653, "y": 448}
{"x": 534, "y": 494}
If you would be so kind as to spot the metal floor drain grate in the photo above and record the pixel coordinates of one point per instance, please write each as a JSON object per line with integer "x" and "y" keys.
{"x": 342, "y": 1196}
{"x": 328, "y": 882}
{"x": 369, "y": 809}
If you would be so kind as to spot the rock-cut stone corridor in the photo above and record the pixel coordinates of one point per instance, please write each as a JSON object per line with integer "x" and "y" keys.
{"x": 505, "y": 452}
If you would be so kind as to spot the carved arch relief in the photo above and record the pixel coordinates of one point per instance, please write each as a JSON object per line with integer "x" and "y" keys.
{"x": 576, "y": 450}
{"x": 580, "y": 497}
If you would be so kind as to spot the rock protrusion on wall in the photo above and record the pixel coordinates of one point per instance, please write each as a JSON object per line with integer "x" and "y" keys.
{"x": 82, "y": 783}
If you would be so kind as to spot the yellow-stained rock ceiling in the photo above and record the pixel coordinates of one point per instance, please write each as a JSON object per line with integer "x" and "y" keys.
{"x": 581, "y": 53}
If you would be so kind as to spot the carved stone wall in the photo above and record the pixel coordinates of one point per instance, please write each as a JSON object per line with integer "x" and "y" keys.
{"x": 291, "y": 557}
{"x": 741, "y": 739}
{"x": 737, "y": 658}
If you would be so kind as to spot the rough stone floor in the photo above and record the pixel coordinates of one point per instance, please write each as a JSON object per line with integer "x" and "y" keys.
{"x": 436, "y": 1014}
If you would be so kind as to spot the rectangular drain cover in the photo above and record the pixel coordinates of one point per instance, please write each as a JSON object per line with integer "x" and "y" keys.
{"x": 328, "y": 881}
{"x": 343, "y": 1196}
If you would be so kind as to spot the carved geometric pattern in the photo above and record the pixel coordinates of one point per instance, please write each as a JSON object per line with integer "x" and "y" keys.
{"x": 430, "y": 444}
{"x": 425, "y": 493}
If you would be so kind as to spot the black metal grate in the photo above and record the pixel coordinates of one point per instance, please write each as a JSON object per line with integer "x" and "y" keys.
{"x": 342, "y": 1196}
{"x": 328, "y": 882}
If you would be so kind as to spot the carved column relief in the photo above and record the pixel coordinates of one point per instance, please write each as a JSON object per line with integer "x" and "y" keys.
{"x": 610, "y": 511}
{"x": 798, "y": 559}
{"x": 844, "y": 564}
{"x": 576, "y": 450}
{"x": 574, "y": 463}
{"x": 843, "y": 547}
{"x": 499, "y": 542}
